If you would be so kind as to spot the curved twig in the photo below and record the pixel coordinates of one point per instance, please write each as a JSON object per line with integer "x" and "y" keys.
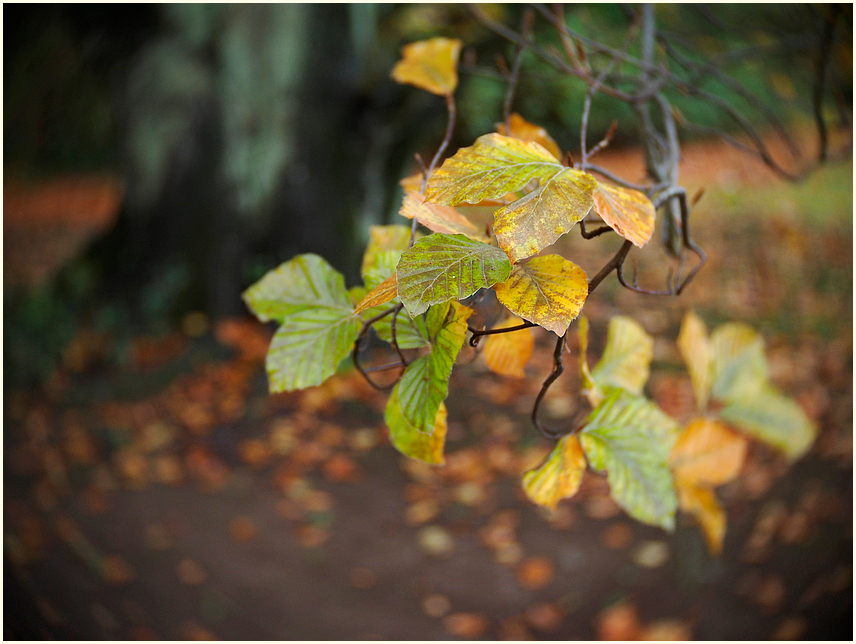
{"x": 558, "y": 369}
{"x": 478, "y": 333}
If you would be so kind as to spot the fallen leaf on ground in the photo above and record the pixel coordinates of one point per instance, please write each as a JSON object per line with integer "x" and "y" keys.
{"x": 468, "y": 626}
{"x": 436, "y": 605}
{"x": 544, "y": 617}
{"x": 617, "y": 536}
{"x": 667, "y": 630}
{"x": 651, "y": 554}
{"x": 535, "y": 572}
{"x": 243, "y": 529}
{"x": 362, "y": 577}
{"x": 435, "y": 540}
{"x": 619, "y": 622}
{"x": 190, "y": 573}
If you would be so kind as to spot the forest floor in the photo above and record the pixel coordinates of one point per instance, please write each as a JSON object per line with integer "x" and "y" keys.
{"x": 172, "y": 498}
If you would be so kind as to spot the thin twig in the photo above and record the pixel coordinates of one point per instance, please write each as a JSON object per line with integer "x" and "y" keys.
{"x": 478, "y": 333}
{"x": 558, "y": 368}
{"x": 526, "y": 29}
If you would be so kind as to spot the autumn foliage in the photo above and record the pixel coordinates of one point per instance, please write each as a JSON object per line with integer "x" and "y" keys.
{"x": 420, "y": 293}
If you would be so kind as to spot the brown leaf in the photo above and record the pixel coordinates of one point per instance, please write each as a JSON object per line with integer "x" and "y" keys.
{"x": 535, "y": 572}
{"x": 544, "y": 617}
{"x": 190, "y": 573}
{"x": 619, "y": 622}
{"x": 468, "y": 626}
{"x": 436, "y": 605}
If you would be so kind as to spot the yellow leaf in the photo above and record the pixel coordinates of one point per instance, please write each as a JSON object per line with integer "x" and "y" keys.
{"x": 628, "y": 212}
{"x": 380, "y": 294}
{"x": 589, "y": 387}
{"x": 410, "y": 441}
{"x": 559, "y": 476}
{"x": 520, "y": 128}
{"x": 695, "y": 349}
{"x": 507, "y": 353}
{"x": 538, "y": 219}
{"x": 439, "y": 219}
{"x": 491, "y": 168}
{"x": 701, "y": 502}
{"x": 384, "y": 238}
{"x": 431, "y": 65}
{"x": 626, "y": 359}
{"x": 707, "y": 453}
{"x": 549, "y": 291}
{"x": 413, "y": 183}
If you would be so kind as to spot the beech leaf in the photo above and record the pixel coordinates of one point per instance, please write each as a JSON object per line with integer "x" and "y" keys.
{"x": 559, "y": 476}
{"x": 382, "y": 253}
{"x": 695, "y": 349}
{"x": 440, "y": 267}
{"x": 425, "y": 382}
{"x": 489, "y": 169}
{"x": 738, "y": 366}
{"x": 627, "y": 356}
{"x": 708, "y": 453}
{"x": 439, "y": 219}
{"x": 589, "y": 386}
{"x": 630, "y": 438}
{"x": 380, "y": 294}
{"x": 304, "y": 281}
{"x": 533, "y": 222}
{"x": 628, "y": 212}
{"x": 772, "y": 418}
{"x": 702, "y": 503}
{"x": 520, "y": 128}
{"x": 310, "y": 344}
{"x": 410, "y": 441}
{"x": 410, "y": 333}
{"x": 431, "y": 65}
{"x": 549, "y": 291}
{"x": 507, "y": 353}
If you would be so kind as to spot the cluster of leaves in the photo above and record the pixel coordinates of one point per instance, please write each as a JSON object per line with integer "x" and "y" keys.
{"x": 653, "y": 465}
{"x": 412, "y": 293}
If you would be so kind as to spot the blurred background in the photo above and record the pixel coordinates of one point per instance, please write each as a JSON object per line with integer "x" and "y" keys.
{"x": 158, "y": 159}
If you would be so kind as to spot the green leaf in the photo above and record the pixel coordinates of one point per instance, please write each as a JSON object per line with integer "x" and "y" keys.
{"x": 738, "y": 366}
{"x": 425, "y": 383}
{"x": 302, "y": 282}
{"x": 549, "y": 291}
{"x": 490, "y": 168}
{"x": 773, "y": 418}
{"x": 309, "y": 345}
{"x": 382, "y": 253}
{"x": 410, "y": 441}
{"x": 627, "y": 356}
{"x": 440, "y": 267}
{"x": 530, "y": 224}
{"x": 630, "y": 438}
{"x": 410, "y": 333}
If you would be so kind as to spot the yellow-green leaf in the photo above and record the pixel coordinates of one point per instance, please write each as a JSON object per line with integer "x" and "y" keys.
{"x": 533, "y": 222}
{"x": 410, "y": 441}
{"x": 738, "y": 367}
{"x": 701, "y": 502}
{"x": 695, "y": 349}
{"x": 385, "y": 244}
{"x": 440, "y": 267}
{"x": 707, "y": 453}
{"x": 410, "y": 333}
{"x": 425, "y": 382}
{"x": 431, "y": 65}
{"x": 380, "y": 294}
{"x": 630, "y": 437}
{"x": 627, "y": 356}
{"x": 773, "y": 418}
{"x": 439, "y": 219}
{"x": 489, "y": 169}
{"x": 559, "y": 476}
{"x": 549, "y": 291}
{"x": 520, "y": 128}
{"x": 507, "y": 353}
{"x": 628, "y": 212}
{"x": 589, "y": 386}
